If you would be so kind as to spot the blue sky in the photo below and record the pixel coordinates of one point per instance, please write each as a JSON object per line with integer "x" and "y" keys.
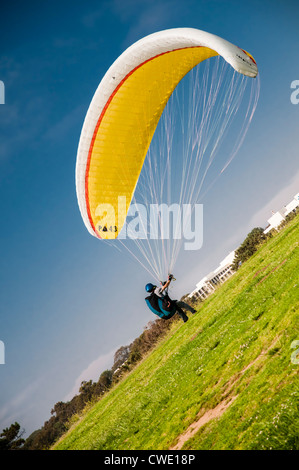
{"x": 67, "y": 300}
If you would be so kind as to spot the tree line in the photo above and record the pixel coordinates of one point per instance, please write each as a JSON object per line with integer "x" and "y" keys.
{"x": 62, "y": 413}
{"x": 255, "y": 239}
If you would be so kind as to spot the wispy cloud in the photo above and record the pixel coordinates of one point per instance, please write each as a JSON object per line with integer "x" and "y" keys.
{"x": 280, "y": 199}
{"x": 94, "y": 16}
{"x": 92, "y": 372}
{"x": 149, "y": 18}
{"x": 60, "y": 129}
{"x": 142, "y": 17}
{"x": 18, "y": 405}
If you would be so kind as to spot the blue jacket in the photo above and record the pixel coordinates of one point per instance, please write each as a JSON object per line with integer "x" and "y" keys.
{"x": 163, "y": 307}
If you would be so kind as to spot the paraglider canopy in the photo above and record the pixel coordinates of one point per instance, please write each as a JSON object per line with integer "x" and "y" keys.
{"x": 124, "y": 113}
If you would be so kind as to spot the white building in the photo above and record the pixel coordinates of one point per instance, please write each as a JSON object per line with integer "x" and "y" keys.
{"x": 208, "y": 284}
{"x": 275, "y": 220}
{"x": 279, "y": 216}
{"x": 292, "y": 205}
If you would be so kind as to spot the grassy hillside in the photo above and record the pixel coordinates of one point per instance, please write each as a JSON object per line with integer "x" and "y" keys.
{"x": 223, "y": 380}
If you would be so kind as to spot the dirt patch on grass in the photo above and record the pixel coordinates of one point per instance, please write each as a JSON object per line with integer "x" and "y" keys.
{"x": 196, "y": 334}
{"x": 205, "y": 416}
{"x": 204, "y": 419}
{"x": 271, "y": 272}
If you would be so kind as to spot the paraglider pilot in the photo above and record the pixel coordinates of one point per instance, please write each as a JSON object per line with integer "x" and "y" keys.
{"x": 160, "y": 303}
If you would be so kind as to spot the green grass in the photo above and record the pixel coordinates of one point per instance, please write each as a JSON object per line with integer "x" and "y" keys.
{"x": 237, "y": 346}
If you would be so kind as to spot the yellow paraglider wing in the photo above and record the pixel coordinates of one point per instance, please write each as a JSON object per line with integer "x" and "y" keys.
{"x": 124, "y": 115}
